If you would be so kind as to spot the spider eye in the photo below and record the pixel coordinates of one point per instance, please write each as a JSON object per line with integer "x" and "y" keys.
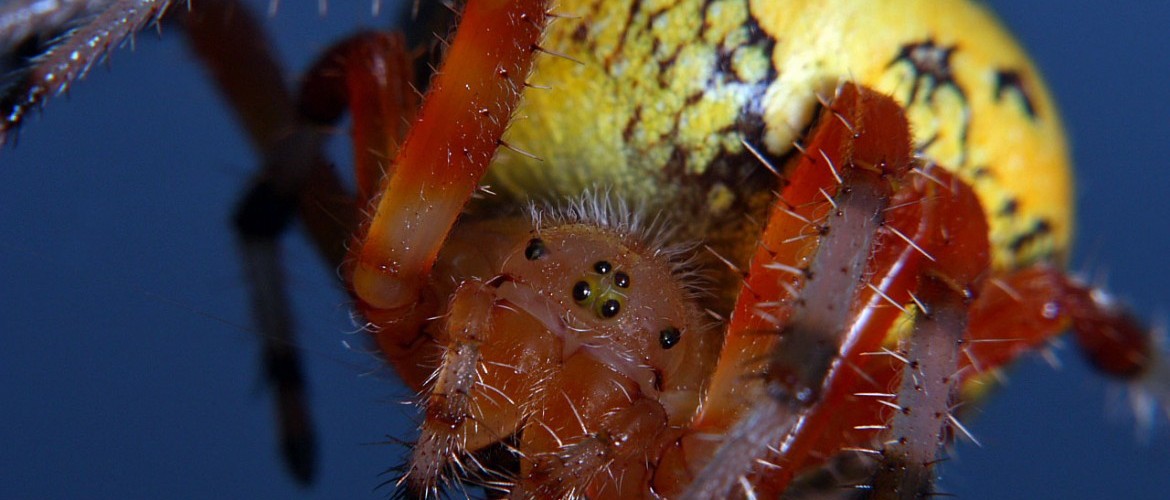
{"x": 669, "y": 337}
{"x": 535, "y": 249}
{"x": 600, "y": 294}
{"x": 581, "y": 291}
{"x": 610, "y": 308}
{"x": 602, "y": 267}
{"x": 622, "y": 280}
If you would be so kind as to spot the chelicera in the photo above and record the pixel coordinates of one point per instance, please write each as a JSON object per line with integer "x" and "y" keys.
{"x": 405, "y": 288}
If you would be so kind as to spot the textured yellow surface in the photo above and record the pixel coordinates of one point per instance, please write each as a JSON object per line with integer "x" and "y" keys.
{"x": 658, "y": 97}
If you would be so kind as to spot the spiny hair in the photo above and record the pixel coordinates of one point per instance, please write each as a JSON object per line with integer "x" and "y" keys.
{"x": 653, "y": 236}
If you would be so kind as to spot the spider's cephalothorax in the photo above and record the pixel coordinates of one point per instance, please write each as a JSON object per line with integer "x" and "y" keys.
{"x": 859, "y": 213}
{"x": 572, "y": 332}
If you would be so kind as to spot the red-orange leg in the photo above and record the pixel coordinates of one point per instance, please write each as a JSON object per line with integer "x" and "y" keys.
{"x": 802, "y": 322}
{"x": 1022, "y": 311}
{"x": 894, "y": 243}
{"x": 439, "y": 166}
{"x": 370, "y": 75}
{"x": 857, "y": 243}
{"x": 447, "y": 151}
{"x": 1026, "y": 309}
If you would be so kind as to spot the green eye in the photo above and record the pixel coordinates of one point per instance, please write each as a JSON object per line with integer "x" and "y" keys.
{"x": 601, "y": 291}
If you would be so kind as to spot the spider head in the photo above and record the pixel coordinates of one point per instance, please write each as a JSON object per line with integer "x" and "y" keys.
{"x": 623, "y": 300}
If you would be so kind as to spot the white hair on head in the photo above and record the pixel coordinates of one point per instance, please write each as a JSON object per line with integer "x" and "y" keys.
{"x": 654, "y": 237}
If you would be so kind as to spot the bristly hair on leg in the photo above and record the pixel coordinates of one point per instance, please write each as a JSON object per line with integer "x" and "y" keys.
{"x": 1149, "y": 394}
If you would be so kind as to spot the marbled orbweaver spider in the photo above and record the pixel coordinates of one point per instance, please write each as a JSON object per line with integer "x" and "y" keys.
{"x": 520, "y": 145}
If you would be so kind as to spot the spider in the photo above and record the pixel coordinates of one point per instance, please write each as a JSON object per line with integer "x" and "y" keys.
{"x": 123, "y": 60}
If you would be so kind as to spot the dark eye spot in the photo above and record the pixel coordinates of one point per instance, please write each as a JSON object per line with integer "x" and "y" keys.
{"x": 669, "y": 337}
{"x": 581, "y": 291}
{"x": 602, "y": 267}
{"x": 535, "y": 249}
{"x": 622, "y": 280}
{"x": 610, "y": 308}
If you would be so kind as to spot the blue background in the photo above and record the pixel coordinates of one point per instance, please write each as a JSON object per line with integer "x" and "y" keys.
{"x": 127, "y": 366}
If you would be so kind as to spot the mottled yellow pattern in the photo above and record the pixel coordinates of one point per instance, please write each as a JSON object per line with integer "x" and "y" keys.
{"x": 661, "y": 92}
{"x": 1023, "y": 158}
{"x": 649, "y": 86}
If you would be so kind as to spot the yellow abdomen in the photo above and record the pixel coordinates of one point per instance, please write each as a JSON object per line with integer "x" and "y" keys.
{"x": 655, "y": 100}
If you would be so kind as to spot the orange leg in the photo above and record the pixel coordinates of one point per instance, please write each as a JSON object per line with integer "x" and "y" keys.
{"x": 792, "y": 330}
{"x": 370, "y": 75}
{"x": 1044, "y": 302}
{"x": 1024, "y": 310}
{"x": 858, "y": 244}
{"x": 437, "y": 170}
{"x": 446, "y": 153}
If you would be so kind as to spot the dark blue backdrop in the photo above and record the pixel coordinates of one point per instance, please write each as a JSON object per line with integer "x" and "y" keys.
{"x": 127, "y": 367}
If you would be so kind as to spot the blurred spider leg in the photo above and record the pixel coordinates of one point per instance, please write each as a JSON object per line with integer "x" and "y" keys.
{"x": 808, "y": 368}
{"x": 71, "y": 58}
{"x": 441, "y": 161}
{"x": 21, "y": 20}
{"x": 370, "y": 75}
{"x": 231, "y": 45}
{"x": 1038, "y": 303}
